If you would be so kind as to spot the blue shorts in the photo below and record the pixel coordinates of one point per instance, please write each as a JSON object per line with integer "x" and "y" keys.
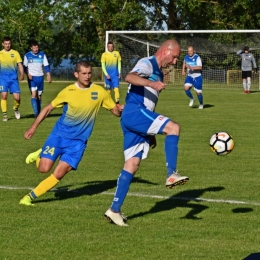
{"x": 70, "y": 151}
{"x": 36, "y": 83}
{"x": 196, "y": 82}
{"x": 113, "y": 82}
{"x": 9, "y": 84}
{"x": 138, "y": 123}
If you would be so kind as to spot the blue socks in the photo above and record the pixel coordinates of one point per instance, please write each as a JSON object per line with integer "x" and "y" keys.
{"x": 200, "y": 98}
{"x": 34, "y": 106}
{"x": 171, "y": 153}
{"x": 188, "y": 93}
{"x": 39, "y": 105}
{"x": 123, "y": 184}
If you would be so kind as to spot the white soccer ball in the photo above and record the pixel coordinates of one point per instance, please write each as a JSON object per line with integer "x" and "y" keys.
{"x": 221, "y": 143}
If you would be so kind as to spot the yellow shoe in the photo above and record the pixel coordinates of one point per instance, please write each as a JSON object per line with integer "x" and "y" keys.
{"x": 26, "y": 200}
{"x": 32, "y": 157}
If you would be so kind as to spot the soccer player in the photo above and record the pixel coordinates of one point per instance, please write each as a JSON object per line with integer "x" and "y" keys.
{"x": 247, "y": 59}
{"x": 33, "y": 63}
{"x": 68, "y": 140}
{"x": 9, "y": 60}
{"x": 192, "y": 63}
{"x": 140, "y": 124}
{"x": 111, "y": 66}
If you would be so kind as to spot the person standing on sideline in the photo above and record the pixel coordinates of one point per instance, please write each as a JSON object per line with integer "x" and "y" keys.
{"x": 68, "y": 140}
{"x": 140, "y": 124}
{"x": 33, "y": 63}
{"x": 9, "y": 60}
{"x": 193, "y": 64}
{"x": 247, "y": 59}
{"x": 111, "y": 66}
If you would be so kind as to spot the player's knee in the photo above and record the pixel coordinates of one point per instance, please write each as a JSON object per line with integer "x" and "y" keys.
{"x": 132, "y": 165}
{"x": 171, "y": 128}
{"x": 44, "y": 168}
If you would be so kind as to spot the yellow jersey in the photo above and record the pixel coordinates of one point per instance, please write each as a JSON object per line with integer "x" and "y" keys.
{"x": 80, "y": 107}
{"x": 8, "y": 63}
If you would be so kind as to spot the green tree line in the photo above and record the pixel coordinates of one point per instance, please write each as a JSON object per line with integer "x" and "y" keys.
{"x": 77, "y": 28}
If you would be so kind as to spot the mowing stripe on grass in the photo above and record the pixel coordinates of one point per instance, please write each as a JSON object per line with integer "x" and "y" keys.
{"x": 146, "y": 196}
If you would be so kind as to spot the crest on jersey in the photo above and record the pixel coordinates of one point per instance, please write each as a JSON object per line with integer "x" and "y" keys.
{"x": 115, "y": 55}
{"x": 12, "y": 55}
{"x": 94, "y": 95}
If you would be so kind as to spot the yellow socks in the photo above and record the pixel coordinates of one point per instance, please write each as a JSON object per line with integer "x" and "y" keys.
{"x": 16, "y": 105}
{"x": 4, "y": 105}
{"x": 117, "y": 95}
{"x": 44, "y": 186}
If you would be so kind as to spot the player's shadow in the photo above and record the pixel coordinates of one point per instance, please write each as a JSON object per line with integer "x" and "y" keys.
{"x": 184, "y": 199}
{"x": 89, "y": 189}
{"x": 205, "y": 106}
{"x": 253, "y": 256}
{"x": 50, "y": 115}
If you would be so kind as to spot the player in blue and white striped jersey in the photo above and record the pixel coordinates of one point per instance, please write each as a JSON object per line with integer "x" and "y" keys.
{"x": 34, "y": 61}
{"x": 140, "y": 124}
{"x": 193, "y": 64}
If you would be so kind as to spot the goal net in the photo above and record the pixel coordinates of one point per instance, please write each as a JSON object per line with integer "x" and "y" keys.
{"x": 217, "y": 49}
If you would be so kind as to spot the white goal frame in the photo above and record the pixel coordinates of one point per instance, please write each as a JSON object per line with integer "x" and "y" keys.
{"x": 193, "y": 32}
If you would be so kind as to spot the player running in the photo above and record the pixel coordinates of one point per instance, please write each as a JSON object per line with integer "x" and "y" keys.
{"x": 192, "y": 63}
{"x": 68, "y": 140}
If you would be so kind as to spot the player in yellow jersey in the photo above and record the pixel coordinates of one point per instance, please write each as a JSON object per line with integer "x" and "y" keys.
{"x": 68, "y": 140}
{"x": 9, "y": 60}
{"x": 111, "y": 66}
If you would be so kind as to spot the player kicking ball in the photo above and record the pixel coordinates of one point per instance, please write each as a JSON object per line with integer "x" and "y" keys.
{"x": 140, "y": 124}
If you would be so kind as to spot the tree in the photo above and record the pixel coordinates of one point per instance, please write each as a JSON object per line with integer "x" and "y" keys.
{"x": 68, "y": 28}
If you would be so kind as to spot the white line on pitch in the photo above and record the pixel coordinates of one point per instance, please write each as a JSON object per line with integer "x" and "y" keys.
{"x": 149, "y": 196}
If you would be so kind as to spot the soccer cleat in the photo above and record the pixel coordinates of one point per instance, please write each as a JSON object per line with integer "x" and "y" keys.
{"x": 245, "y": 91}
{"x": 32, "y": 157}
{"x": 191, "y": 102}
{"x": 17, "y": 114}
{"x": 200, "y": 106}
{"x": 175, "y": 179}
{"x": 5, "y": 118}
{"x": 248, "y": 91}
{"x": 116, "y": 218}
{"x": 26, "y": 200}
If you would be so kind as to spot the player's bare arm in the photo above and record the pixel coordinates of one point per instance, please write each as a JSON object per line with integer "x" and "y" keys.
{"x": 117, "y": 110}
{"x": 21, "y": 70}
{"x": 183, "y": 69}
{"x": 135, "y": 79}
{"x": 49, "y": 77}
{"x": 43, "y": 114}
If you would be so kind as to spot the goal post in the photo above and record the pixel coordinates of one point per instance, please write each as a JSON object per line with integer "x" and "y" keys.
{"x": 217, "y": 49}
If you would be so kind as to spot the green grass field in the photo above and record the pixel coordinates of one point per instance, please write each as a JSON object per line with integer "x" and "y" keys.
{"x": 214, "y": 216}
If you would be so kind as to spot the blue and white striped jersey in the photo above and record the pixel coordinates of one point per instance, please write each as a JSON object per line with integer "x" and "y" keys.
{"x": 145, "y": 96}
{"x": 35, "y": 63}
{"x": 193, "y": 61}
